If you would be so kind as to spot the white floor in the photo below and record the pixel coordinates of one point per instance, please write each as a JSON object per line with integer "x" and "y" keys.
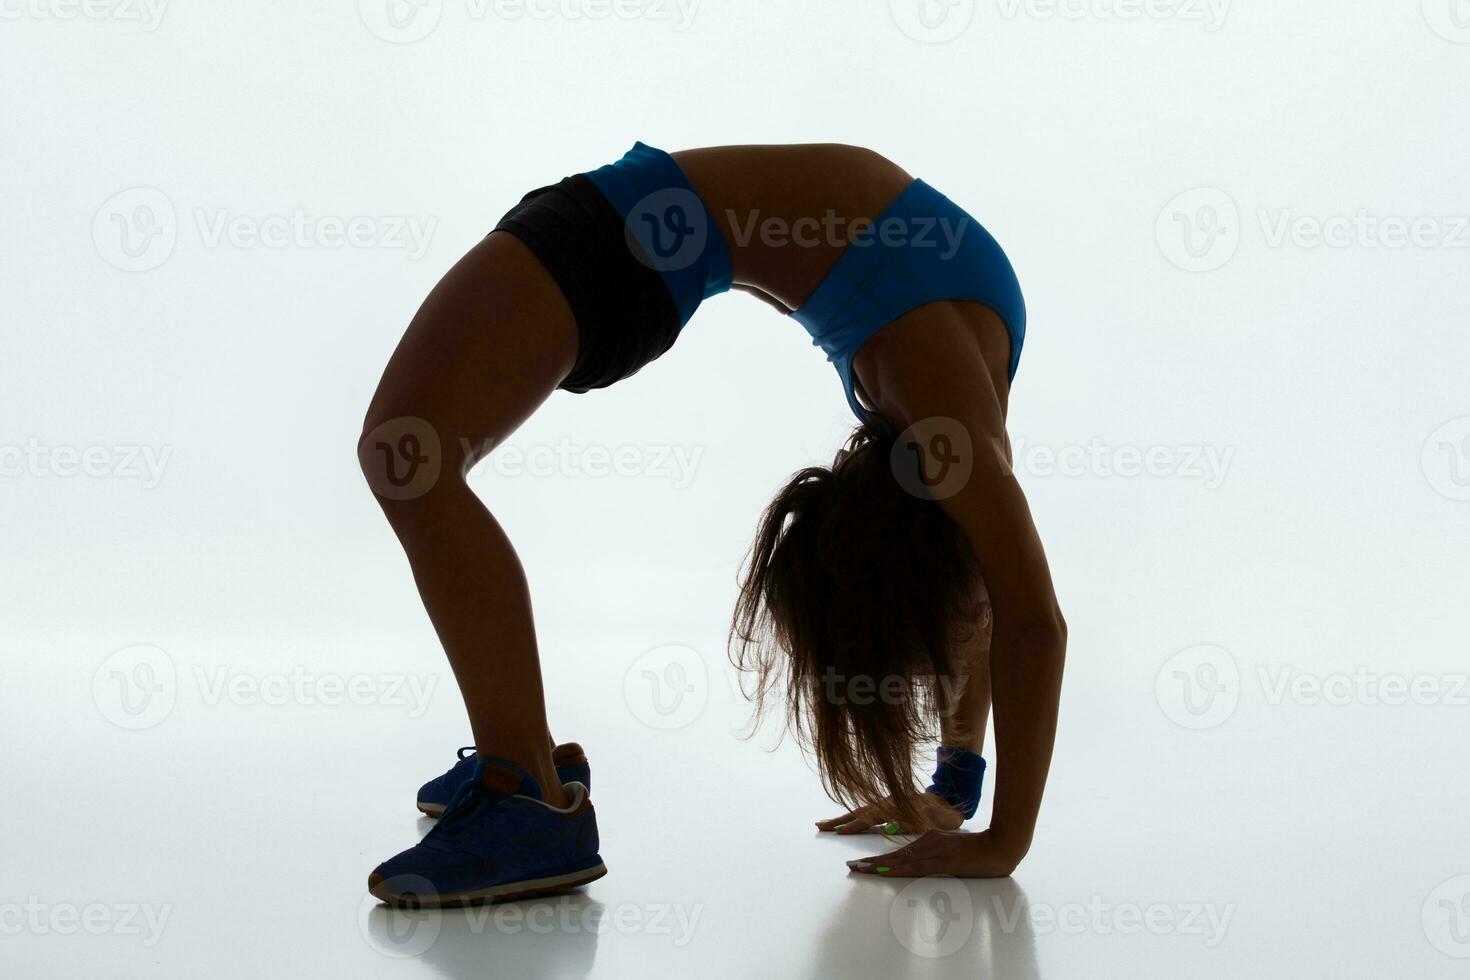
{"x": 231, "y": 835}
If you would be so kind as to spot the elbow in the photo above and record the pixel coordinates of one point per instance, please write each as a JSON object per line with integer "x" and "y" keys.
{"x": 1051, "y": 629}
{"x": 1043, "y": 628}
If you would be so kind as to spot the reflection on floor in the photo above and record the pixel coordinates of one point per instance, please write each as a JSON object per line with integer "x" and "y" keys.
{"x": 234, "y": 831}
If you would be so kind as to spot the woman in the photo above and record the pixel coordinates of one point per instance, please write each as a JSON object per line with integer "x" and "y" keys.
{"x": 867, "y": 586}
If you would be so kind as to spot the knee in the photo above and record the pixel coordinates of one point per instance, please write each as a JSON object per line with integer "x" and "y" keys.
{"x": 405, "y": 458}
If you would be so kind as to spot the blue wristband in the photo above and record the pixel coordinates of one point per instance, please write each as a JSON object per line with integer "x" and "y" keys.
{"x": 957, "y": 779}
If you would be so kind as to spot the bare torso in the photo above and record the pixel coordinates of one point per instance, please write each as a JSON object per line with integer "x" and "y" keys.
{"x": 766, "y": 200}
{"x": 788, "y": 211}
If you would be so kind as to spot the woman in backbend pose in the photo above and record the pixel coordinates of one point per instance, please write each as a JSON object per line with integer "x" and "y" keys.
{"x": 885, "y": 598}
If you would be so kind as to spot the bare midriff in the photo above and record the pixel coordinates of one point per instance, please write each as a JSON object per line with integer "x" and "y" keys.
{"x": 788, "y": 212}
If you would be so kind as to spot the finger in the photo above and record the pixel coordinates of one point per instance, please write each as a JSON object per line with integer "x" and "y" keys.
{"x": 836, "y": 822}
{"x": 861, "y": 823}
{"x": 895, "y": 865}
{"x": 854, "y": 822}
{"x": 900, "y": 861}
{"x": 925, "y": 847}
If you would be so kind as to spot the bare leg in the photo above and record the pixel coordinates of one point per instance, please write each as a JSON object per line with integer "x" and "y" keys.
{"x": 492, "y": 341}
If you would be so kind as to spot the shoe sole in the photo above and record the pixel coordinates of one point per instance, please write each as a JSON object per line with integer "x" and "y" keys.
{"x": 529, "y": 888}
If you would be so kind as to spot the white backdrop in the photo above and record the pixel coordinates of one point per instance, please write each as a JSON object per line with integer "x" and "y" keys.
{"x": 1243, "y": 229}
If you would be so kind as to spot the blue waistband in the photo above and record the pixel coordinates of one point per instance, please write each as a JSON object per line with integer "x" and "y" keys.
{"x": 675, "y": 233}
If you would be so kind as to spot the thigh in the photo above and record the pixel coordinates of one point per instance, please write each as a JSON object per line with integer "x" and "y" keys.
{"x": 492, "y": 340}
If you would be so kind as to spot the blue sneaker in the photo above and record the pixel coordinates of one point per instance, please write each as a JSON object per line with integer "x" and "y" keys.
{"x": 496, "y": 840}
{"x": 434, "y": 796}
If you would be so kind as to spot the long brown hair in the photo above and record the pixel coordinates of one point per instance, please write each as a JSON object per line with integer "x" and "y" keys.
{"x": 855, "y": 597}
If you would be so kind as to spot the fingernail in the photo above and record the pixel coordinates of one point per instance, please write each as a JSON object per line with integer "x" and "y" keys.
{"x": 891, "y": 827}
{"x": 880, "y": 869}
{"x": 839, "y": 826}
{"x": 859, "y": 864}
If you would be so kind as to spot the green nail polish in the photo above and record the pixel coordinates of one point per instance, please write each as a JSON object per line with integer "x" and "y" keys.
{"x": 891, "y": 827}
{"x": 839, "y": 826}
{"x": 880, "y": 869}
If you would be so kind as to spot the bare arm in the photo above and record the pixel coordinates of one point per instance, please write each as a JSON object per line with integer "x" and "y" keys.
{"x": 932, "y": 372}
{"x": 967, "y": 703}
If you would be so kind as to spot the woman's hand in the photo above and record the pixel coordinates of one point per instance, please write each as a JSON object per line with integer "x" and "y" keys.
{"x": 865, "y": 818}
{"x": 945, "y": 852}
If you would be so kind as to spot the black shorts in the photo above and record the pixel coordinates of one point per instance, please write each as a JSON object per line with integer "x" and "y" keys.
{"x": 625, "y": 314}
